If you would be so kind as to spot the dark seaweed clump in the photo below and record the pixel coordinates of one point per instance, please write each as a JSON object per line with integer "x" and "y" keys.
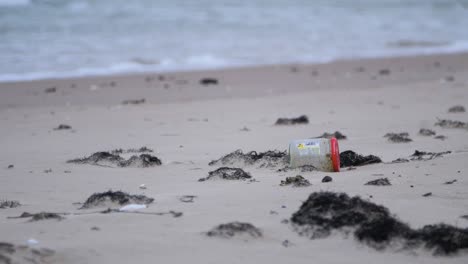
{"x": 446, "y": 123}
{"x": 131, "y": 150}
{"x": 324, "y": 212}
{"x": 41, "y": 216}
{"x": 327, "y": 179}
{"x": 398, "y": 137}
{"x": 303, "y": 119}
{"x": 297, "y": 181}
{"x": 63, "y": 127}
{"x": 303, "y": 168}
{"x": 379, "y": 182}
{"x": 9, "y": 204}
{"x": 270, "y": 158}
{"x": 227, "y": 173}
{"x": 10, "y": 253}
{"x": 424, "y": 156}
{"x": 426, "y": 132}
{"x": 108, "y": 159}
{"x": 118, "y": 197}
{"x": 232, "y": 229}
{"x": 338, "y": 135}
{"x": 134, "y": 101}
{"x": 350, "y": 158}
{"x": 457, "y": 109}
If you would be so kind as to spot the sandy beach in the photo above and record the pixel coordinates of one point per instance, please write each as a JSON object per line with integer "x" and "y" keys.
{"x": 188, "y": 119}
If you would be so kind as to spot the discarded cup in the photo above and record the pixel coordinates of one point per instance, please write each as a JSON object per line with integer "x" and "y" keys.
{"x": 321, "y": 153}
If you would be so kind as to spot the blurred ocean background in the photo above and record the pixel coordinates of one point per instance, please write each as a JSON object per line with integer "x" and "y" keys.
{"x": 60, "y": 38}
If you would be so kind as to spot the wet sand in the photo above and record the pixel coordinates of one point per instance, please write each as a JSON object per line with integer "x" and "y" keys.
{"x": 191, "y": 118}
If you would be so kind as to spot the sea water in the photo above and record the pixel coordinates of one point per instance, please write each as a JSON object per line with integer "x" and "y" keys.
{"x": 59, "y": 38}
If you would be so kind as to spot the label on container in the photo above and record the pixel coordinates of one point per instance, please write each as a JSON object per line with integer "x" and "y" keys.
{"x": 309, "y": 147}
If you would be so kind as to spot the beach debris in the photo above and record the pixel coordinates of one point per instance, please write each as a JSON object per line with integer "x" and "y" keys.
{"x": 112, "y": 199}
{"x": 142, "y": 186}
{"x": 384, "y": 72}
{"x": 50, "y": 90}
{"x": 446, "y": 123}
{"x": 208, "y": 81}
{"x": 10, "y": 253}
{"x": 5, "y": 204}
{"x": 379, "y": 182}
{"x": 427, "y": 194}
{"x": 424, "y": 156}
{"x": 338, "y": 135}
{"x": 233, "y": 229}
{"x": 303, "y": 168}
{"x": 11, "y": 166}
{"x": 457, "y": 109}
{"x": 303, "y": 119}
{"x": 327, "y": 179}
{"x": 372, "y": 224}
{"x": 450, "y": 182}
{"x": 441, "y": 137}
{"x": 104, "y": 158}
{"x": 40, "y": 216}
{"x": 297, "y": 181}
{"x": 134, "y": 101}
{"x": 398, "y": 137}
{"x": 132, "y": 207}
{"x": 261, "y": 159}
{"x": 426, "y": 132}
{"x": 350, "y": 158}
{"x": 227, "y": 173}
{"x": 187, "y": 198}
{"x": 63, "y": 127}
{"x": 143, "y": 149}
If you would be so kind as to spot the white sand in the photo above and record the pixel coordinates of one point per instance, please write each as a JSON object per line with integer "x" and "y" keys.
{"x": 189, "y": 125}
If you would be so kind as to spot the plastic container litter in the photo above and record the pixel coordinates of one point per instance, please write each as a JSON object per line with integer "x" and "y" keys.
{"x": 322, "y": 153}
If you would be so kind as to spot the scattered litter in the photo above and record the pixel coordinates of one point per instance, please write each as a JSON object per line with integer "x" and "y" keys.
{"x": 350, "y": 158}
{"x": 398, "y": 137}
{"x": 227, "y": 173}
{"x": 450, "y": 182}
{"x": 117, "y": 198}
{"x": 297, "y": 181}
{"x": 209, "y": 81}
{"x": 324, "y": 212}
{"x": 50, "y": 90}
{"x": 110, "y": 160}
{"x": 446, "y": 123}
{"x": 270, "y": 158}
{"x": 63, "y": 127}
{"x": 132, "y": 207}
{"x": 233, "y": 229}
{"x": 303, "y": 119}
{"x": 441, "y": 137}
{"x": 424, "y": 156}
{"x": 327, "y": 179}
{"x": 187, "y": 198}
{"x": 427, "y": 194}
{"x": 142, "y": 186}
{"x": 426, "y": 132}
{"x": 379, "y": 182}
{"x": 457, "y": 109}
{"x": 10, "y": 253}
{"x": 134, "y": 101}
{"x": 4, "y": 204}
{"x": 338, "y": 135}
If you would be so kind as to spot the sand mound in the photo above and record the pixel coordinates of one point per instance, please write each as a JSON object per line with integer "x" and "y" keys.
{"x": 10, "y": 253}
{"x": 350, "y": 158}
{"x": 233, "y": 229}
{"x": 324, "y": 212}
{"x": 297, "y": 181}
{"x": 114, "y": 199}
{"x": 267, "y": 159}
{"x": 227, "y": 173}
{"x": 303, "y": 119}
{"x": 104, "y": 158}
